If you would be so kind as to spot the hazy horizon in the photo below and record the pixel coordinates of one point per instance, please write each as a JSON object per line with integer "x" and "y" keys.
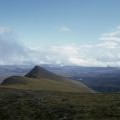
{"x": 62, "y": 32}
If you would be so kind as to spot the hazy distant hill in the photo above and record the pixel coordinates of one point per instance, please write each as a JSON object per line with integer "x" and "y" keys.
{"x": 101, "y": 79}
{"x": 12, "y": 70}
{"x": 41, "y": 79}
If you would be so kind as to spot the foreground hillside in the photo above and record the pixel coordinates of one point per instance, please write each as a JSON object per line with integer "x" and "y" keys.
{"x": 47, "y": 105}
{"x": 41, "y": 79}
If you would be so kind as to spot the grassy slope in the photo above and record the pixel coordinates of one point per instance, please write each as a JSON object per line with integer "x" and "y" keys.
{"x": 47, "y": 84}
{"x": 47, "y": 105}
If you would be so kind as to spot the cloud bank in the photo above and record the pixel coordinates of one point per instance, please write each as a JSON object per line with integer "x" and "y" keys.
{"x": 104, "y": 53}
{"x": 11, "y": 51}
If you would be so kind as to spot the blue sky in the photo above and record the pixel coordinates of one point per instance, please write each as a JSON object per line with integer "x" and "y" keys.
{"x": 41, "y": 20}
{"x": 64, "y": 22}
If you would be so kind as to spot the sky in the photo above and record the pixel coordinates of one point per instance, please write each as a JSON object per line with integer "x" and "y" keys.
{"x": 63, "y": 32}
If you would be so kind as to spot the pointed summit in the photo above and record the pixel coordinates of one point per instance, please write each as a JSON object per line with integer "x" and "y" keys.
{"x": 39, "y": 72}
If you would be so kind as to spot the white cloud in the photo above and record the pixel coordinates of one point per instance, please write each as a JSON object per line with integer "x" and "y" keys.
{"x": 4, "y": 30}
{"x": 11, "y": 51}
{"x": 64, "y": 29}
{"x": 105, "y": 52}
{"x": 64, "y": 55}
{"x": 107, "y": 45}
{"x": 112, "y": 36}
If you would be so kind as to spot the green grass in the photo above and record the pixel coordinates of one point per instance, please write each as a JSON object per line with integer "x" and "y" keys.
{"x": 16, "y": 104}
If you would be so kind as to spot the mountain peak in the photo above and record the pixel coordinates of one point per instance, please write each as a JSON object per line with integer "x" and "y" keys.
{"x": 37, "y": 67}
{"x": 39, "y": 72}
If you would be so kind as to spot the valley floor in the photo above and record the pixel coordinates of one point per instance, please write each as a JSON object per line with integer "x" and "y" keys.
{"x": 47, "y": 105}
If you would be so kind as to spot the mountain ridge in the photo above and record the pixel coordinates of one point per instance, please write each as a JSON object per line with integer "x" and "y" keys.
{"x": 41, "y": 79}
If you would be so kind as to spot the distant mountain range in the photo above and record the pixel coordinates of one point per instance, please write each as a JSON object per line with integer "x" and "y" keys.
{"x": 101, "y": 79}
